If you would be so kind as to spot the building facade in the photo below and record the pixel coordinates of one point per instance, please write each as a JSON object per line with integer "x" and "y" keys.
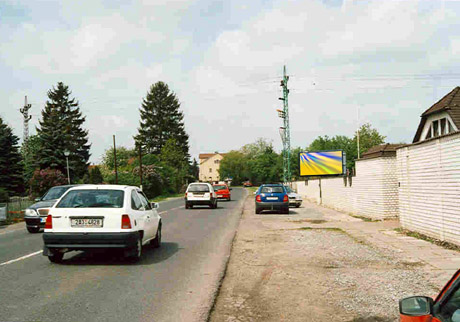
{"x": 209, "y": 166}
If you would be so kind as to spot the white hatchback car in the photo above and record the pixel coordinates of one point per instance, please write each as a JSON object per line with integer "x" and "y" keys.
{"x": 101, "y": 217}
{"x": 200, "y": 193}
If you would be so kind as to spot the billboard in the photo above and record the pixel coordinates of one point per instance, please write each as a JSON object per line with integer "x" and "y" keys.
{"x": 322, "y": 163}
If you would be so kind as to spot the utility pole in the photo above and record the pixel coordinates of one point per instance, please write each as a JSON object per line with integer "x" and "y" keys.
{"x": 285, "y": 130}
{"x": 25, "y": 112}
{"x": 357, "y": 131}
{"x": 115, "y": 160}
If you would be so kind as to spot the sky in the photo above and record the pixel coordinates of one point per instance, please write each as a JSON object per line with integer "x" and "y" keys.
{"x": 349, "y": 62}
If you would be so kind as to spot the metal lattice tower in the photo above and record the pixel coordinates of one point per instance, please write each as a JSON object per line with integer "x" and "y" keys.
{"x": 285, "y": 130}
{"x": 25, "y": 112}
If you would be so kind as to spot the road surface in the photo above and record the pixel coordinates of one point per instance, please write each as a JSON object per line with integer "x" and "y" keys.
{"x": 176, "y": 282}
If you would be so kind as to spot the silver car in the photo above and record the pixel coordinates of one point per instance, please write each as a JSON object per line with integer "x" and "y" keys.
{"x": 294, "y": 198}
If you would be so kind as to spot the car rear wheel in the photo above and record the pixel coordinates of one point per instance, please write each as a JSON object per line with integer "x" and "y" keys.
{"x": 229, "y": 198}
{"x": 56, "y": 257}
{"x": 33, "y": 230}
{"x": 136, "y": 251}
{"x": 157, "y": 241}
{"x": 186, "y": 205}
{"x": 297, "y": 206}
{"x": 258, "y": 211}
{"x": 285, "y": 210}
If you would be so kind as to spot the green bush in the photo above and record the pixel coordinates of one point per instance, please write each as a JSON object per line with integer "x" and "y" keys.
{"x": 43, "y": 180}
{"x": 4, "y": 197}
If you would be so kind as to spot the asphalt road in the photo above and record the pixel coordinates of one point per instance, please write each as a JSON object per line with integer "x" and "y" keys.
{"x": 176, "y": 282}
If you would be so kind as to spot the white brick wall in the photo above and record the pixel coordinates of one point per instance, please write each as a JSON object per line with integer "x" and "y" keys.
{"x": 429, "y": 195}
{"x": 373, "y": 194}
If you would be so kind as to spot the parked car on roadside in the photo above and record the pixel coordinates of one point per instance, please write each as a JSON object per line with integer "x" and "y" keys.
{"x": 200, "y": 193}
{"x": 247, "y": 184}
{"x": 295, "y": 200}
{"x": 35, "y": 215}
{"x": 445, "y": 308}
{"x": 272, "y": 197}
{"x": 222, "y": 191}
{"x": 101, "y": 217}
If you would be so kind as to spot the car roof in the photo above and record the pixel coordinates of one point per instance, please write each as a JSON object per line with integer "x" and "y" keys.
{"x": 102, "y": 187}
{"x": 272, "y": 185}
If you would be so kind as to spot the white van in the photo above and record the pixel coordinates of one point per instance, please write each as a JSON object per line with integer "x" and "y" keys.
{"x": 200, "y": 193}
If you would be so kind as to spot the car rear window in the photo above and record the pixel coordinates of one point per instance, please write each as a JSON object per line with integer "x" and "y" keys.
{"x": 275, "y": 189}
{"x": 198, "y": 188}
{"x": 90, "y": 198}
{"x": 220, "y": 187}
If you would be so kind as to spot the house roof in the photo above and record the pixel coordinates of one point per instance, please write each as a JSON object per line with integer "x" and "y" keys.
{"x": 382, "y": 150}
{"x": 449, "y": 103}
{"x": 208, "y": 155}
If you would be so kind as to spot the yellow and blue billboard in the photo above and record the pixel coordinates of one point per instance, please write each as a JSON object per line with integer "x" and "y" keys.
{"x": 322, "y": 163}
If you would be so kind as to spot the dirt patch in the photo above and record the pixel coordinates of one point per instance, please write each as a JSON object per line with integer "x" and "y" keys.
{"x": 311, "y": 274}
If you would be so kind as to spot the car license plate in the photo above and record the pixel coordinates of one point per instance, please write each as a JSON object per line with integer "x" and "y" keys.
{"x": 272, "y": 198}
{"x": 86, "y": 222}
{"x": 43, "y": 219}
{"x": 220, "y": 196}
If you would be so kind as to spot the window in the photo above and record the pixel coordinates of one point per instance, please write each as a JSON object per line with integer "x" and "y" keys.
{"x": 210, "y": 170}
{"x": 273, "y": 189}
{"x": 435, "y": 128}
{"x": 451, "y": 128}
{"x": 216, "y": 161}
{"x": 450, "y": 306}
{"x": 145, "y": 202}
{"x": 443, "y": 126}
{"x": 136, "y": 203}
{"x": 428, "y": 134}
{"x": 198, "y": 188}
{"x": 89, "y": 198}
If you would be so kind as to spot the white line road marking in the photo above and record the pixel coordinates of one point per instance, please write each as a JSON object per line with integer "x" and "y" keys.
{"x": 21, "y": 258}
{"x": 163, "y": 212}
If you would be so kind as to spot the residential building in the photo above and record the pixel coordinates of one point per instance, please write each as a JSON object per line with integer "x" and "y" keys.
{"x": 441, "y": 118}
{"x": 209, "y": 166}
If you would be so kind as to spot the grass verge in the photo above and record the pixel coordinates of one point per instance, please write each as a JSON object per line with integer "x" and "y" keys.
{"x": 432, "y": 240}
{"x": 164, "y": 197}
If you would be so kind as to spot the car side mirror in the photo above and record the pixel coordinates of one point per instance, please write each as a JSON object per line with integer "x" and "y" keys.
{"x": 155, "y": 205}
{"x": 416, "y": 306}
{"x": 229, "y": 188}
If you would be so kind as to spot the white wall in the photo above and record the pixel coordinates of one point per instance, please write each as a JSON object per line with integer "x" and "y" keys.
{"x": 373, "y": 193}
{"x": 429, "y": 195}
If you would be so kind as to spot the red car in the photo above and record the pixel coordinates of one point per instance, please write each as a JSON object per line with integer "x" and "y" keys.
{"x": 247, "y": 184}
{"x": 445, "y": 308}
{"x": 222, "y": 191}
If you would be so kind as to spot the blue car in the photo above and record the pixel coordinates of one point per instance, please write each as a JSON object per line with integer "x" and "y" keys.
{"x": 272, "y": 197}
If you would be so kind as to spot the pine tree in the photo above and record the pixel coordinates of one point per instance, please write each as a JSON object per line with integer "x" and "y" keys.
{"x": 95, "y": 175}
{"x": 11, "y": 169}
{"x": 60, "y": 130}
{"x": 161, "y": 120}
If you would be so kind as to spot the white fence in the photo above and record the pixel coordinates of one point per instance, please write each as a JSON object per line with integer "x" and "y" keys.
{"x": 373, "y": 192}
{"x": 429, "y": 192}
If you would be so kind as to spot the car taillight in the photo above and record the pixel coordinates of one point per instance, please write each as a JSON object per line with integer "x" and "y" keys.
{"x": 125, "y": 222}
{"x": 185, "y": 195}
{"x": 286, "y": 198}
{"x": 49, "y": 222}
{"x": 258, "y": 199}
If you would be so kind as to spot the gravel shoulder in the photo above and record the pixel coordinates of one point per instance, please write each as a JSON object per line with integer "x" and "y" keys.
{"x": 317, "y": 264}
